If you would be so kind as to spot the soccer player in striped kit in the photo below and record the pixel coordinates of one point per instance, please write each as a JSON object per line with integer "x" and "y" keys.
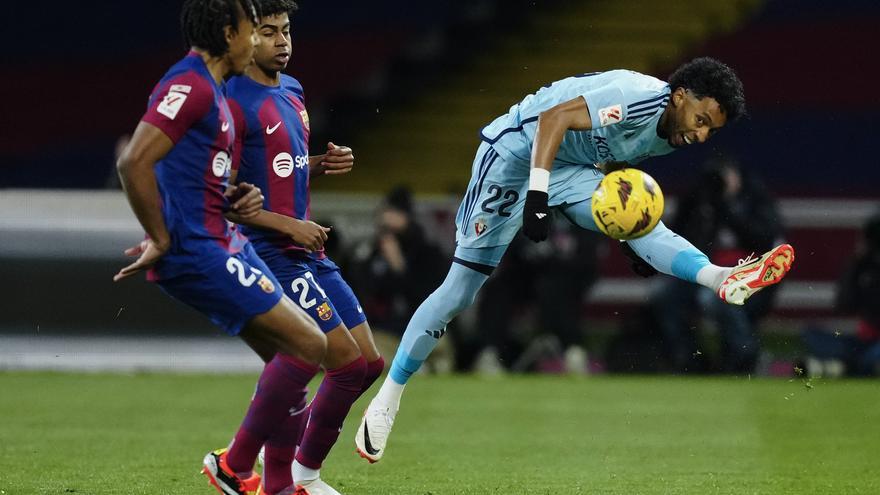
{"x": 175, "y": 173}
{"x": 272, "y": 152}
{"x": 573, "y": 127}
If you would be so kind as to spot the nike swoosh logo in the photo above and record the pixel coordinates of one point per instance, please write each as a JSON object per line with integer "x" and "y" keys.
{"x": 224, "y": 127}
{"x": 540, "y": 215}
{"x": 270, "y": 130}
{"x": 367, "y": 444}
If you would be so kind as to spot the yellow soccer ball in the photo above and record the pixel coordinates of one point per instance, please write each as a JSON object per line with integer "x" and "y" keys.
{"x": 627, "y": 204}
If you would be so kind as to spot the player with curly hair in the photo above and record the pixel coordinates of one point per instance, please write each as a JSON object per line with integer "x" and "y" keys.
{"x": 575, "y": 128}
{"x": 175, "y": 172}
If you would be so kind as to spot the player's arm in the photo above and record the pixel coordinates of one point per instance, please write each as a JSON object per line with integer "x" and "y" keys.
{"x": 337, "y": 160}
{"x": 552, "y": 125}
{"x": 308, "y": 234}
{"x": 246, "y": 200}
{"x": 148, "y": 145}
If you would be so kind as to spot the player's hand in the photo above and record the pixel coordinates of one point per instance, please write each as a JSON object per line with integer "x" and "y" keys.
{"x": 308, "y": 234}
{"x": 536, "y": 216}
{"x": 148, "y": 253}
{"x": 637, "y": 264}
{"x": 247, "y": 199}
{"x": 338, "y": 160}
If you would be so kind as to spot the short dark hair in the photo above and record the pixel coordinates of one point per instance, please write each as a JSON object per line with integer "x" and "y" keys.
{"x": 706, "y": 76}
{"x": 277, "y": 7}
{"x": 202, "y": 22}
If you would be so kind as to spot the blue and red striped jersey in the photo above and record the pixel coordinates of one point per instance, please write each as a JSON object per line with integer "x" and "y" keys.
{"x": 190, "y": 108}
{"x": 272, "y": 150}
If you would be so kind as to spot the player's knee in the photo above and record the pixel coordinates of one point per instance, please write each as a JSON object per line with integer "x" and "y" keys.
{"x": 341, "y": 348}
{"x": 461, "y": 301}
{"x": 449, "y": 302}
{"x": 363, "y": 336}
{"x": 457, "y": 292}
{"x": 311, "y": 345}
{"x": 308, "y": 343}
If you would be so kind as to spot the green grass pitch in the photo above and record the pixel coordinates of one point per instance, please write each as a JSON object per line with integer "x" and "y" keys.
{"x": 146, "y": 434}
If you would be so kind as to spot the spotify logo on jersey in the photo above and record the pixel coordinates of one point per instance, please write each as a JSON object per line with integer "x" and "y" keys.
{"x": 283, "y": 164}
{"x": 221, "y": 163}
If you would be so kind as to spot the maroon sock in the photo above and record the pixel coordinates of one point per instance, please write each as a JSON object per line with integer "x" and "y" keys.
{"x": 282, "y": 386}
{"x": 338, "y": 391}
{"x": 374, "y": 369}
{"x": 280, "y": 448}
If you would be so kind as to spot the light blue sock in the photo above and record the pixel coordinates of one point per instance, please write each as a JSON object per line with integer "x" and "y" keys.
{"x": 429, "y": 322}
{"x": 662, "y": 248}
{"x": 670, "y": 253}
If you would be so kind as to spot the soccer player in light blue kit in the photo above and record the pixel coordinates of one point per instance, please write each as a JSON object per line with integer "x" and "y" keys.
{"x": 573, "y": 127}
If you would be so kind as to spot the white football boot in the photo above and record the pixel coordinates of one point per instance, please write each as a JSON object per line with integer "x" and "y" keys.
{"x": 372, "y": 434}
{"x": 752, "y": 275}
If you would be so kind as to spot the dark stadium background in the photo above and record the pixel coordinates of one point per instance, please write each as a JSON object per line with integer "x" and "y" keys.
{"x": 76, "y": 76}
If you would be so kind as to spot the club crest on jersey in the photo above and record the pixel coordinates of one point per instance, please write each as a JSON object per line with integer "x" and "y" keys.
{"x": 173, "y": 101}
{"x": 610, "y": 115}
{"x": 324, "y": 312}
{"x": 480, "y": 226}
{"x": 304, "y": 116}
{"x": 266, "y": 284}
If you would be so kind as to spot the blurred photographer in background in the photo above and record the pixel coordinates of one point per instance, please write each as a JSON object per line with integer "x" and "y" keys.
{"x": 397, "y": 269}
{"x": 858, "y": 294}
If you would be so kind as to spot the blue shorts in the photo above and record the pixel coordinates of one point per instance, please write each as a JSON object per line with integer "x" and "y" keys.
{"x": 229, "y": 289}
{"x": 338, "y": 290}
{"x": 318, "y": 288}
{"x": 490, "y": 214}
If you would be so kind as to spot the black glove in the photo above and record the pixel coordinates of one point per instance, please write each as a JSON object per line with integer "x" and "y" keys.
{"x": 637, "y": 264}
{"x": 536, "y": 216}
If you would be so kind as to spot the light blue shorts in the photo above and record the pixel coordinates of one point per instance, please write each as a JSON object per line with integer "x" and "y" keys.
{"x": 491, "y": 213}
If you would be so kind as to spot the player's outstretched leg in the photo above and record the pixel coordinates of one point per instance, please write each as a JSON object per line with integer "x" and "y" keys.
{"x": 422, "y": 334}
{"x": 673, "y": 255}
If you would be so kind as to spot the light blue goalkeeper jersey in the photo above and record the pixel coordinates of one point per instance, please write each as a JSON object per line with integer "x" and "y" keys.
{"x": 624, "y": 106}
